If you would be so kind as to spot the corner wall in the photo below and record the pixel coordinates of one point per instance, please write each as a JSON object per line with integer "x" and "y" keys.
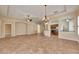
{"x": 20, "y": 28}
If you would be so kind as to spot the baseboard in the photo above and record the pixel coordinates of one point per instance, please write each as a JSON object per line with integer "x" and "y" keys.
{"x": 70, "y": 39}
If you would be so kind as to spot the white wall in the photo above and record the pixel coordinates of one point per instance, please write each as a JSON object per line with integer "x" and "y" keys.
{"x": 69, "y": 36}
{"x": 3, "y": 10}
{"x": 31, "y": 28}
{"x": 25, "y": 28}
{"x": 8, "y": 21}
{"x": 5, "y": 20}
{"x": 20, "y": 28}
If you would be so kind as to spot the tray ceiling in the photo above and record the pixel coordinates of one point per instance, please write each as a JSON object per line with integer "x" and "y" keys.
{"x": 36, "y": 11}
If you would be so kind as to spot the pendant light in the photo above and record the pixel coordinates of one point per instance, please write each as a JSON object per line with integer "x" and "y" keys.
{"x": 68, "y": 18}
{"x": 45, "y": 17}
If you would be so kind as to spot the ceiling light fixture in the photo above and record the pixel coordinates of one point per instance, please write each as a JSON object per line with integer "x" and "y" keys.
{"x": 45, "y": 20}
{"x": 68, "y": 18}
{"x": 29, "y": 19}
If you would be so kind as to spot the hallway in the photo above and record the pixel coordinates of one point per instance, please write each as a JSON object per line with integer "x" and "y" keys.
{"x": 37, "y": 44}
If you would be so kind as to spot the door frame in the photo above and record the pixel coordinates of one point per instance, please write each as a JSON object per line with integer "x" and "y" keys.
{"x": 53, "y": 24}
{"x": 5, "y": 29}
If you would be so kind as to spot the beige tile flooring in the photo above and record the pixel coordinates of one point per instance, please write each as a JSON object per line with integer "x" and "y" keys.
{"x": 37, "y": 44}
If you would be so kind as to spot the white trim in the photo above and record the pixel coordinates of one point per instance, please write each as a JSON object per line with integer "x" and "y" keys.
{"x": 5, "y": 29}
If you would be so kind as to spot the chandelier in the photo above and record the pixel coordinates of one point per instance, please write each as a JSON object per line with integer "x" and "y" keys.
{"x": 29, "y": 19}
{"x": 68, "y": 18}
{"x": 45, "y": 20}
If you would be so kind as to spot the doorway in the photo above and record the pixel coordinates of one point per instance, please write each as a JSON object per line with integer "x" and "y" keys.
{"x": 7, "y": 30}
{"x": 54, "y": 29}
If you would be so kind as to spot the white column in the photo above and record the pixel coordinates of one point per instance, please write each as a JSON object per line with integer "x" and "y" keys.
{"x": 78, "y": 25}
{"x": 38, "y": 28}
{"x": 13, "y": 29}
{"x": 0, "y": 29}
{"x": 47, "y": 30}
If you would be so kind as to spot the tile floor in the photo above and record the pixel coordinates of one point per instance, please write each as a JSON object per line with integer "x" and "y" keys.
{"x": 37, "y": 44}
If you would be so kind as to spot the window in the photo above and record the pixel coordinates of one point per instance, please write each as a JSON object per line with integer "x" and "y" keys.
{"x": 71, "y": 29}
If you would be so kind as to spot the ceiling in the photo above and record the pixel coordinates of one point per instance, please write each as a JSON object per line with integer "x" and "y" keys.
{"x": 35, "y": 11}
